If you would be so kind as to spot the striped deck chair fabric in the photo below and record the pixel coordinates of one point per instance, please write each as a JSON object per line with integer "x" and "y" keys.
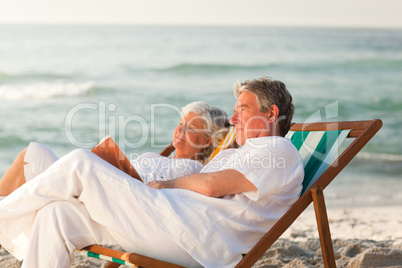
{"x": 109, "y": 258}
{"x": 318, "y": 149}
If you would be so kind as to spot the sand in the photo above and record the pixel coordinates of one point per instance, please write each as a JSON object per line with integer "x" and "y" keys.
{"x": 362, "y": 237}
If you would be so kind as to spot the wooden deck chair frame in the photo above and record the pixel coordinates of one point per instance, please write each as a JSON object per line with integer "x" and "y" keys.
{"x": 360, "y": 131}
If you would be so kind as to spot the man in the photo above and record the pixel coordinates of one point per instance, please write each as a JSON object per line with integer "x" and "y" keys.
{"x": 206, "y": 219}
{"x": 256, "y": 115}
{"x": 263, "y": 178}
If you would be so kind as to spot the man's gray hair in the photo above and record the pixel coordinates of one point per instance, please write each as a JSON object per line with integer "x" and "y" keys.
{"x": 269, "y": 92}
{"x": 216, "y": 122}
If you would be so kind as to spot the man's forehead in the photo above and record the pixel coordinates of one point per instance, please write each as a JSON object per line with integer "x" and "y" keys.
{"x": 246, "y": 99}
{"x": 239, "y": 104}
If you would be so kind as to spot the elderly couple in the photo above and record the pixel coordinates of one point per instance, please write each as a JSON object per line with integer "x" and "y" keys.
{"x": 189, "y": 214}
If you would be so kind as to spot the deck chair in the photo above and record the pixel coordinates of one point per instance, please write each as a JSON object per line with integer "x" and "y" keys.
{"x": 324, "y": 155}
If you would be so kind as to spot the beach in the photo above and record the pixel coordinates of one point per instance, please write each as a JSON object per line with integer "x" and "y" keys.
{"x": 75, "y": 84}
{"x": 362, "y": 237}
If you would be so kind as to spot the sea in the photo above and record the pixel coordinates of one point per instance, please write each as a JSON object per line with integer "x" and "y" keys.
{"x": 67, "y": 86}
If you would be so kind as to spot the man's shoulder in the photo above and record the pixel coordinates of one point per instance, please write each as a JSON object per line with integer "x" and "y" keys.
{"x": 267, "y": 141}
{"x": 274, "y": 144}
{"x": 258, "y": 146}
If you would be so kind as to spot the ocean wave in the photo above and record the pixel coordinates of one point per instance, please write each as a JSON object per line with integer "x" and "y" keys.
{"x": 22, "y": 76}
{"x": 366, "y": 63}
{"x": 373, "y": 62}
{"x": 44, "y": 90}
{"x": 382, "y": 157}
{"x": 352, "y": 64}
{"x": 210, "y": 67}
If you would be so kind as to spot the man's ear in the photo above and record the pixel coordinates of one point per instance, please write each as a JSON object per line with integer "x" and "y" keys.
{"x": 273, "y": 113}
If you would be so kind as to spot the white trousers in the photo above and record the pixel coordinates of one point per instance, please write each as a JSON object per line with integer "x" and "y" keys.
{"x": 78, "y": 201}
{"x": 58, "y": 229}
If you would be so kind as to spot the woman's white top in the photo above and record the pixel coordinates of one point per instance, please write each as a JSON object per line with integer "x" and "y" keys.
{"x": 152, "y": 166}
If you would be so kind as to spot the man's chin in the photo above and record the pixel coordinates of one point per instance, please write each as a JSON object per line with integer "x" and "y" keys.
{"x": 176, "y": 143}
{"x": 240, "y": 140}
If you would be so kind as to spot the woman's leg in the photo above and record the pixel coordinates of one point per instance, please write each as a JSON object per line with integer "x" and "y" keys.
{"x": 14, "y": 176}
{"x": 31, "y": 162}
{"x": 108, "y": 195}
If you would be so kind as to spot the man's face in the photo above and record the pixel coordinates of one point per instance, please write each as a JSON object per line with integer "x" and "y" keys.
{"x": 248, "y": 120}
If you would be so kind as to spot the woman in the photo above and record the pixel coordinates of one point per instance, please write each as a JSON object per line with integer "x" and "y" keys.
{"x": 199, "y": 132}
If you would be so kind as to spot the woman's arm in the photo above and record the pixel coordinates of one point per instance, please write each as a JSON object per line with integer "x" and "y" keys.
{"x": 215, "y": 184}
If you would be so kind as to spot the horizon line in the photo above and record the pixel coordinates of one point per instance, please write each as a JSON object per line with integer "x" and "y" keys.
{"x": 329, "y": 26}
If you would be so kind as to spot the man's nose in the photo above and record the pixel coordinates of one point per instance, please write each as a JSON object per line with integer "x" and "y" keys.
{"x": 233, "y": 120}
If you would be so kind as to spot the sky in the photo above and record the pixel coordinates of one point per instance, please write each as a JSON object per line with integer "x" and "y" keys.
{"x": 317, "y": 13}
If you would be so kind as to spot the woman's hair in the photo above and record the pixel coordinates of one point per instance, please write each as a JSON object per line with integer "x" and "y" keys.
{"x": 269, "y": 92}
{"x": 216, "y": 122}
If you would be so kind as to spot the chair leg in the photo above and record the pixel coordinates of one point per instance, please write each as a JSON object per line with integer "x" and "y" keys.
{"x": 323, "y": 227}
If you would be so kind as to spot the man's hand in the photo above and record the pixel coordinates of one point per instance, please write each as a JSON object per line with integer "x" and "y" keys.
{"x": 159, "y": 184}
